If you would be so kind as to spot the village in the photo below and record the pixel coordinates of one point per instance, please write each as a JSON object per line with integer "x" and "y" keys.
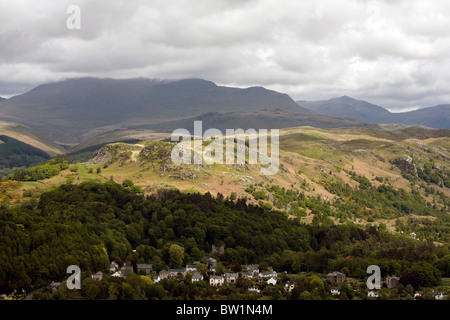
{"x": 334, "y": 282}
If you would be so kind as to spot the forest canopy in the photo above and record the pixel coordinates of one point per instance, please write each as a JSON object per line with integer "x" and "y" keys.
{"x": 92, "y": 224}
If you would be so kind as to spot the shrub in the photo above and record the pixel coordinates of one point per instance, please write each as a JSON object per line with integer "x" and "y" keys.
{"x": 259, "y": 195}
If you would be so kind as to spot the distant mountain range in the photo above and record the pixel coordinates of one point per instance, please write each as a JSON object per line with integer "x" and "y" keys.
{"x": 84, "y": 111}
{"x": 435, "y": 117}
{"x": 73, "y": 110}
{"x": 1, "y": 99}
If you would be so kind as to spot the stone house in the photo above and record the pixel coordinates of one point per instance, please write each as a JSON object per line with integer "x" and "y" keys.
{"x": 163, "y": 274}
{"x": 247, "y": 275}
{"x": 252, "y": 268}
{"x": 126, "y": 270}
{"x": 146, "y": 267}
{"x": 97, "y": 276}
{"x": 392, "y": 282}
{"x": 176, "y": 272}
{"x": 336, "y": 277}
{"x": 231, "y": 277}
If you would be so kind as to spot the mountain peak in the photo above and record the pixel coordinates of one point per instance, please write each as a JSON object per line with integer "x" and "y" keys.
{"x": 196, "y": 81}
{"x": 346, "y": 98}
{"x": 72, "y": 110}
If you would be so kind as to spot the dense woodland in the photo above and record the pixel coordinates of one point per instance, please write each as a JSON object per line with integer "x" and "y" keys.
{"x": 91, "y": 224}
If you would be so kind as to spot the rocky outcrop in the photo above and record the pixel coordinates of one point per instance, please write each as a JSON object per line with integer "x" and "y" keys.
{"x": 102, "y": 155}
{"x": 405, "y": 164}
{"x": 109, "y": 153}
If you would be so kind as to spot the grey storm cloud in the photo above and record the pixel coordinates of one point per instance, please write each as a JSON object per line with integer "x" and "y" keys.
{"x": 393, "y": 53}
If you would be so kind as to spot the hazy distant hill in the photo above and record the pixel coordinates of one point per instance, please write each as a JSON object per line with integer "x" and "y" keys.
{"x": 435, "y": 117}
{"x": 258, "y": 119}
{"x": 73, "y": 110}
{"x": 1, "y": 99}
{"x": 348, "y": 107}
{"x": 261, "y": 119}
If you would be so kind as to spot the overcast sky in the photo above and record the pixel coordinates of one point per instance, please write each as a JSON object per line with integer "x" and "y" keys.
{"x": 392, "y": 53}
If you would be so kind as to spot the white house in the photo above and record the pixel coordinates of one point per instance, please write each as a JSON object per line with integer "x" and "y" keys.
{"x": 254, "y": 290}
{"x": 335, "y": 291}
{"x": 438, "y": 295}
{"x": 117, "y": 274}
{"x": 113, "y": 267}
{"x": 372, "y": 294}
{"x": 272, "y": 281}
{"x": 197, "y": 276}
{"x": 216, "y": 281}
{"x": 268, "y": 274}
{"x": 191, "y": 268}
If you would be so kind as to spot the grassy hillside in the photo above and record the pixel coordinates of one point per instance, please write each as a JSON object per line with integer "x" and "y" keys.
{"x": 30, "y": 136}
{"x": 21, "y": 147}
{"x": 353, "y": 170}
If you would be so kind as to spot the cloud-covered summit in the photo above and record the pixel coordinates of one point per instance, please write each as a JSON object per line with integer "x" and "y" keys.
{"x": 394, "y": 53}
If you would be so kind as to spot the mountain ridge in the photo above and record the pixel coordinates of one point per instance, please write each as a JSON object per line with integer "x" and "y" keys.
{"x": 73, "y": 110}
{"x": 437, "y": 117}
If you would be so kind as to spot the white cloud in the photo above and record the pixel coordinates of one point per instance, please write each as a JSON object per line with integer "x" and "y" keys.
{"x": 393, "y": 53}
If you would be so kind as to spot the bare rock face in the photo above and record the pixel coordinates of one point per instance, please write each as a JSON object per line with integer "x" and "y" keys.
{"x": 102, "y": 155}
{"x": 405, "y": 164}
